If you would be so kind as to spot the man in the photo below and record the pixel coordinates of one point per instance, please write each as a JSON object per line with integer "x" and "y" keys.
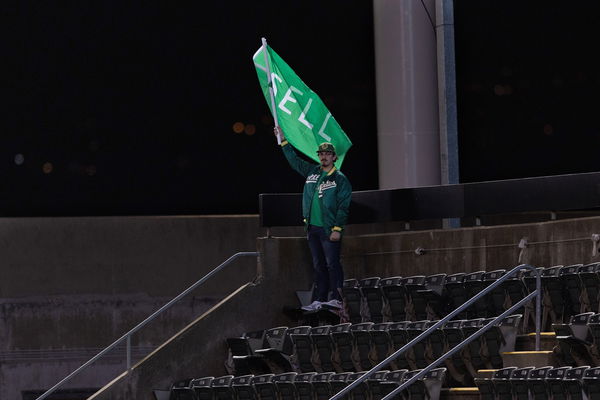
{"x": 325, "y": 204}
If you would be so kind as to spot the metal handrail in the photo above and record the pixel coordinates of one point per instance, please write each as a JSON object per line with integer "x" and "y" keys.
{"x": 536, "y": 293}
{"x": 139, "y": 326}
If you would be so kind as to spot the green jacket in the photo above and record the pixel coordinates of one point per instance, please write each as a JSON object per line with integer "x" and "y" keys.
{"x": 335, "y": 191}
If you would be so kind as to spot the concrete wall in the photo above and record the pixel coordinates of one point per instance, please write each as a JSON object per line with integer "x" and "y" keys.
{"x": 71, "y": 286}
{"x": 284, "y": 267}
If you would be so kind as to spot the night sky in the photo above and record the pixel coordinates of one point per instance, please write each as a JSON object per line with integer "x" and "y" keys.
{"x": 126, "y": 108}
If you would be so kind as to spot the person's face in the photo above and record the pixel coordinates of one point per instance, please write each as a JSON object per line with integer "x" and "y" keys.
{"x": 327, "y": 158}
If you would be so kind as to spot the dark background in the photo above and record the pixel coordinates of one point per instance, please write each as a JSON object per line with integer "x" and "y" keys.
{"x": 117, "y": 108}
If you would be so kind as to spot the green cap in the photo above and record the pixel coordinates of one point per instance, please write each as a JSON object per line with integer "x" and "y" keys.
{"x": 326, "y": 146}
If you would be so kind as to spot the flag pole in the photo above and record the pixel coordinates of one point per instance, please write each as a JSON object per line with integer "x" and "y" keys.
{"x": 270, "y": 85}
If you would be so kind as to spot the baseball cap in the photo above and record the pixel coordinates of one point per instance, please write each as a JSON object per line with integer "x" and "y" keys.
{"x": 326, "y": 146}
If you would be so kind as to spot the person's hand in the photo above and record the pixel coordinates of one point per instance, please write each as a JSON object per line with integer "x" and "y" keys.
{"x": 335, "y": 236}
{"x": 279, "y": 132}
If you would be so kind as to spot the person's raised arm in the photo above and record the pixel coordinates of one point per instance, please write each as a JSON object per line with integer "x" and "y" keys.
{"x": 301, "y": 166}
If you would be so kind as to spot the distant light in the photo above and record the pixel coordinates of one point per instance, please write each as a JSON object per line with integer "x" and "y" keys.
{"x": 19, "y": 159}
{"x": 47, "y": 167}
{"x": 498, "y": 90}
{"x": 238, "y": 127}
{"x": 250, "y": 129}
{"x": 90, "y": 170}
{"x": 548, "y": 130}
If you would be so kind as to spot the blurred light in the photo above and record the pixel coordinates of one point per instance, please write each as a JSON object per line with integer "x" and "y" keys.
{"x": 19, "y": 159}
{"x": 548, "y": 130}
{"x": 90, "y": 170}
{"x": 47, "y": 167}
{"x": 238, "y": 127}
{"x": 498, "y": 90}
{"x": 250, "y": 129}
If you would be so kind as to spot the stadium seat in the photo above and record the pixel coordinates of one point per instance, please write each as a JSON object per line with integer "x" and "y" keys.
{"x": 243, "y": 357}
{"x": 323, "y": 345}
{"x": 594, "y": 328}
{"x": 497, "y": 387}
{"x": 573, "y": 383}
{"x": 397, "y": 331}
{"x": 278, "y": 351}
{"x": 265, "y": 387}
{"x": 555, "y": 383}
{"x": 392, "y": 380}
{"x": 537, "y": 383}
{"x": 321, "y": 385}
{"x": 362, "y": 344}
{"x": 473, "y": 354}
{"x": 413, "y": 330}
{"x": 376, "y": 390}
{"x": 514, "y": 289}
{"x": 373, "y": 297}
{"x": 554, "y": 299}
{"x": 285, "y": 385}
{"x": 436, "y": 343}
{"x": 428, "y": 387}
{"x": 501, "y": 338}
{"x": 455, "y": 293}
{"x": 243, "y": 388}
{"x": 573, "y": 288}
{"x": 303, "y": 347}
{"x": 360, "y": 392}
{"x": 473, "y": 283}
{"x": 457, "y": 368}
{"x": 382, "y": 346}
{"x": 352, "y": 300}
{"x": 427, "y": 301}
{"x": 574, "y": 339}
{"x": 344, "y": 348}
{"x": 518, "y": 382}
{"x": 395, "y": 299}
{"x": 412, "y": 285}
{"x": 304, "y": 387}
{"x": 591, "y": 383}
{"x": 338, "y": 382}
{"x": 222, "y": 388}
{"x": 202, "y": 388}
{"x": 590, "y": 280}
{"x": 496, "y": 299}
{"x": 182, "y": 390}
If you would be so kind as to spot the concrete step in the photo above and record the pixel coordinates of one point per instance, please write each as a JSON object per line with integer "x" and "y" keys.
{"x": 527, "y": 341}
{"x": 533, "y": 358}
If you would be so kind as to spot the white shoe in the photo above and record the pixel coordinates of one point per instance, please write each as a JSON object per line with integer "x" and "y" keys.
{"x": 315, "y": 305}
{"x": 335, "y": 303}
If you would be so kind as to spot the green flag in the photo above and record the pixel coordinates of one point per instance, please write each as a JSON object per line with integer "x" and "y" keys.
{"x": 298, "y": 110}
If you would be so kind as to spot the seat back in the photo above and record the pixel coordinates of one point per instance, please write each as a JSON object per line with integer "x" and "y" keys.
{"x": 395, "y": 298}
{"x": 373, "y": 297}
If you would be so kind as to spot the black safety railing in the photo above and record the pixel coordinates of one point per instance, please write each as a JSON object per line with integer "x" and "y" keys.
{"x": 536, "y": 293}
{"x": 127, "y": 337}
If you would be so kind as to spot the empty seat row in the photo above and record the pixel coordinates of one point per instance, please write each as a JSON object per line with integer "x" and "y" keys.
{"x": 359, "y": 347}
{"x": 544, "y": 383}
{"x": 567, "y": 291}
{"x": 578, "y": 342}
{"x": 309, "y": 386}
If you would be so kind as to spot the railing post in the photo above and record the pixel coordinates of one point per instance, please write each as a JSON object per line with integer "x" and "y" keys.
{"x": 128, "y": 353}
{"x": 538, "y": 309}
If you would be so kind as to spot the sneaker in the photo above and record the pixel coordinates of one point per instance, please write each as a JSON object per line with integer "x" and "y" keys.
{"x": 335, "y": 303}
{"x": 315, "y": 305}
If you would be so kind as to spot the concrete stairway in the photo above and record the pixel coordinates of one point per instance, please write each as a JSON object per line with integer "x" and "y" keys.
{"x": 523, "y": 356}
